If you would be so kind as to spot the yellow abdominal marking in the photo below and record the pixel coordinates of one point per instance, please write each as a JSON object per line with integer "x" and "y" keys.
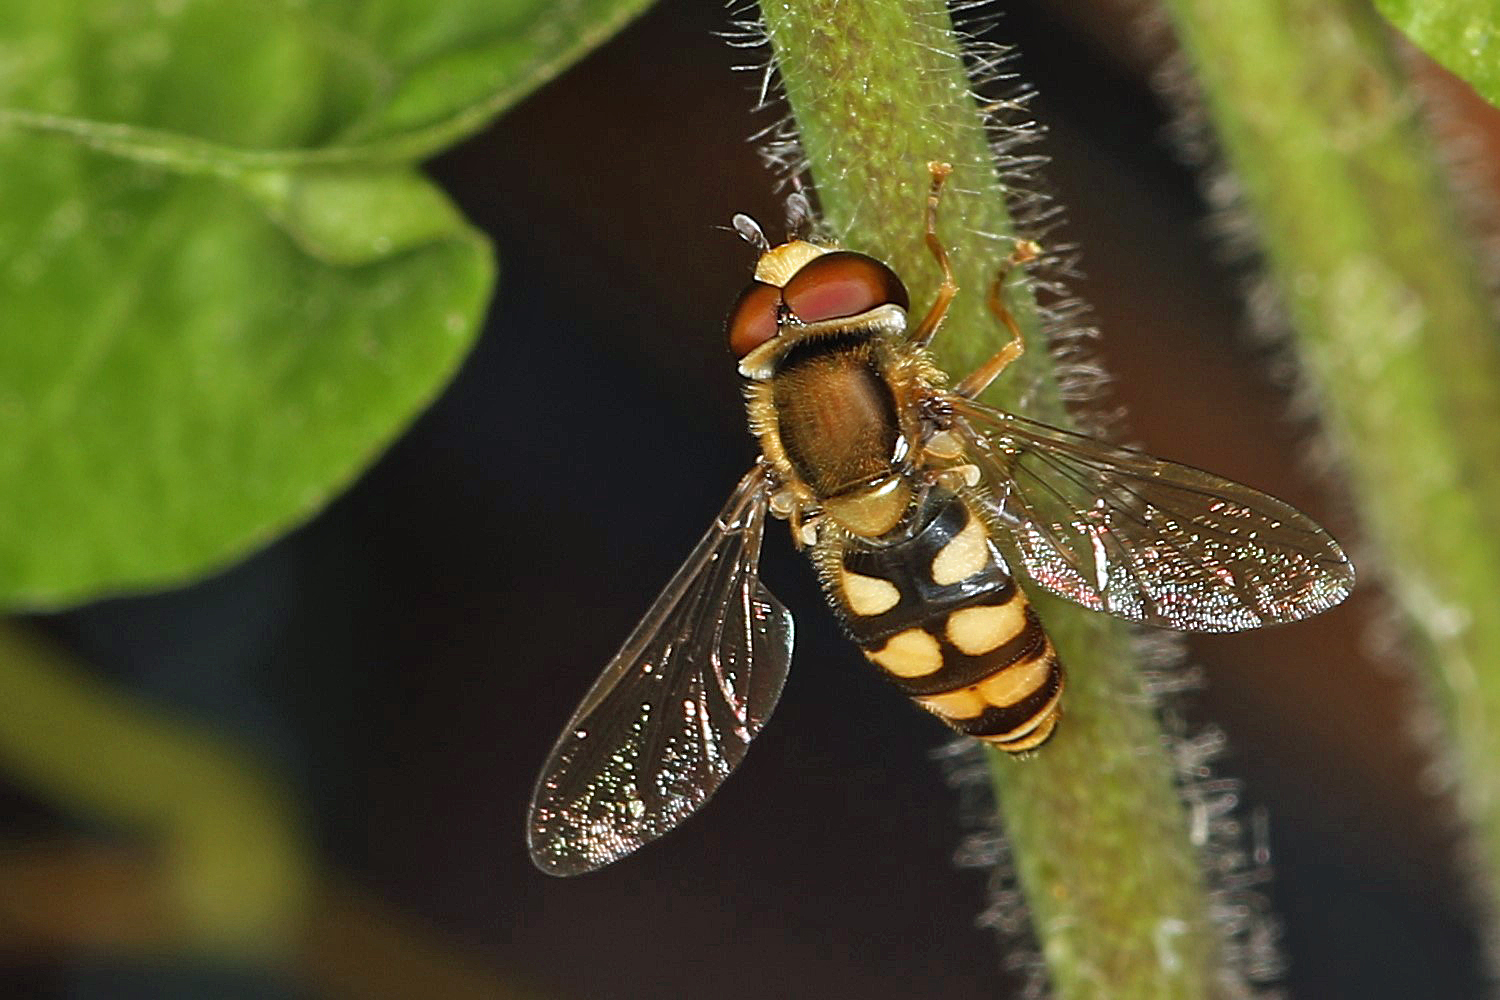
{"x": 963, "y": 704}
{"x": 979, "y": 630}
{"x": 913, "y": 653}
{"x": 961, "y": 558}
{"x": 868, "y": 595}
{"x": 1035, "y": 729}
{"x": 1016, "y": 682}
{"x": 1013, "y": 743}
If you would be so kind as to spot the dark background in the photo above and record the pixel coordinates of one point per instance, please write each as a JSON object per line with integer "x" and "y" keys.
{"x": 408, "y": 657}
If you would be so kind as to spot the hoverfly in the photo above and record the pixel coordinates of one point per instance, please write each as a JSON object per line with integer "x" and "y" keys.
{"x": 914, "y": 502}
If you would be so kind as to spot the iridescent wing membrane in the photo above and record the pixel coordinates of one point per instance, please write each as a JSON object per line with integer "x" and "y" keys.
{"x": 1151, "y": 541}
{"x": 674, "y": 711}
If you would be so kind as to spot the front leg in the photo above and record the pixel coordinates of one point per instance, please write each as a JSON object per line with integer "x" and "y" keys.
{"x": 980, "y": 378}
{"x": 922, "y": 335}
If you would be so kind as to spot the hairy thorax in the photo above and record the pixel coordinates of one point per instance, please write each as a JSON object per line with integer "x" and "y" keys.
{"x": 831, "y": 421}
{"x": 836, "y": 416}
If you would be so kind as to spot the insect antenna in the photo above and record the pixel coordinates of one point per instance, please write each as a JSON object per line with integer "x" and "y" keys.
{"x": 750, "y": 232}
{"x": 799, "y": 213}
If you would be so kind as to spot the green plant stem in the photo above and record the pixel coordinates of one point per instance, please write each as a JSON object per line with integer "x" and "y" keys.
{"x": 228, "y": 836}
{"x": 1364, "y": 242}
{"x": 878, "y": 90}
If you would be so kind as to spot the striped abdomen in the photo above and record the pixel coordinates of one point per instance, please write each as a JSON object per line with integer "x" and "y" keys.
{"x": 939, "y": 613}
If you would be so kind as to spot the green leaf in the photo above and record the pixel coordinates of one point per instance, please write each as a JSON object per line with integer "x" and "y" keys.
{"x": 224, "y": 286}
{"x": 1462, "y": 35}
{"x": 220, "y": 84}
{"x": 179, "y": 381}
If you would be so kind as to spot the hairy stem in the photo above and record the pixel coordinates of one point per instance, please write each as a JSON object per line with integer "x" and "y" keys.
{"x": 1366, "y": 247}
{"x": 878, "y": 90}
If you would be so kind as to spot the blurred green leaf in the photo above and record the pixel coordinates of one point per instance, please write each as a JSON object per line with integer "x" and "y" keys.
{"x": 1462, "y": 35}
{"x": 223, "y": 284}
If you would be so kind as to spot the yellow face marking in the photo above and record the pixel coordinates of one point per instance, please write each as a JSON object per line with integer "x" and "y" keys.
{"x": 913, "y": 653}
{"x": 979, "y": 630}
{"x": 964, "y": 704}
{"x": 777, "y": 265}
{"x": 868, "y": 595}
{"x": 1016, "y": 682}
{"x": 961, "y": 558}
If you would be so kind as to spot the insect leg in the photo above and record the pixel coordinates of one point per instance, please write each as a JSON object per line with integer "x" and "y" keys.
{"x": 979, "y": 379}
{"x": 922, "y": 335}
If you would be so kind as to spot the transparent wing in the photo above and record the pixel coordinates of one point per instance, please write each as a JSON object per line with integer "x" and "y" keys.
{"x": 1116, "y": 530}
{"x": 675, "y": 709}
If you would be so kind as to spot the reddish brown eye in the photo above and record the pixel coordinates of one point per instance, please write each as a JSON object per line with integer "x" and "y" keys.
{"x": 752, "y": 321}
{"x": 840, "y": 284}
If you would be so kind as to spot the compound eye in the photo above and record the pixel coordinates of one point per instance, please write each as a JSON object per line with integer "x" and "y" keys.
{"x": 842, "y": 284}
{"x": 752, "y": 321}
